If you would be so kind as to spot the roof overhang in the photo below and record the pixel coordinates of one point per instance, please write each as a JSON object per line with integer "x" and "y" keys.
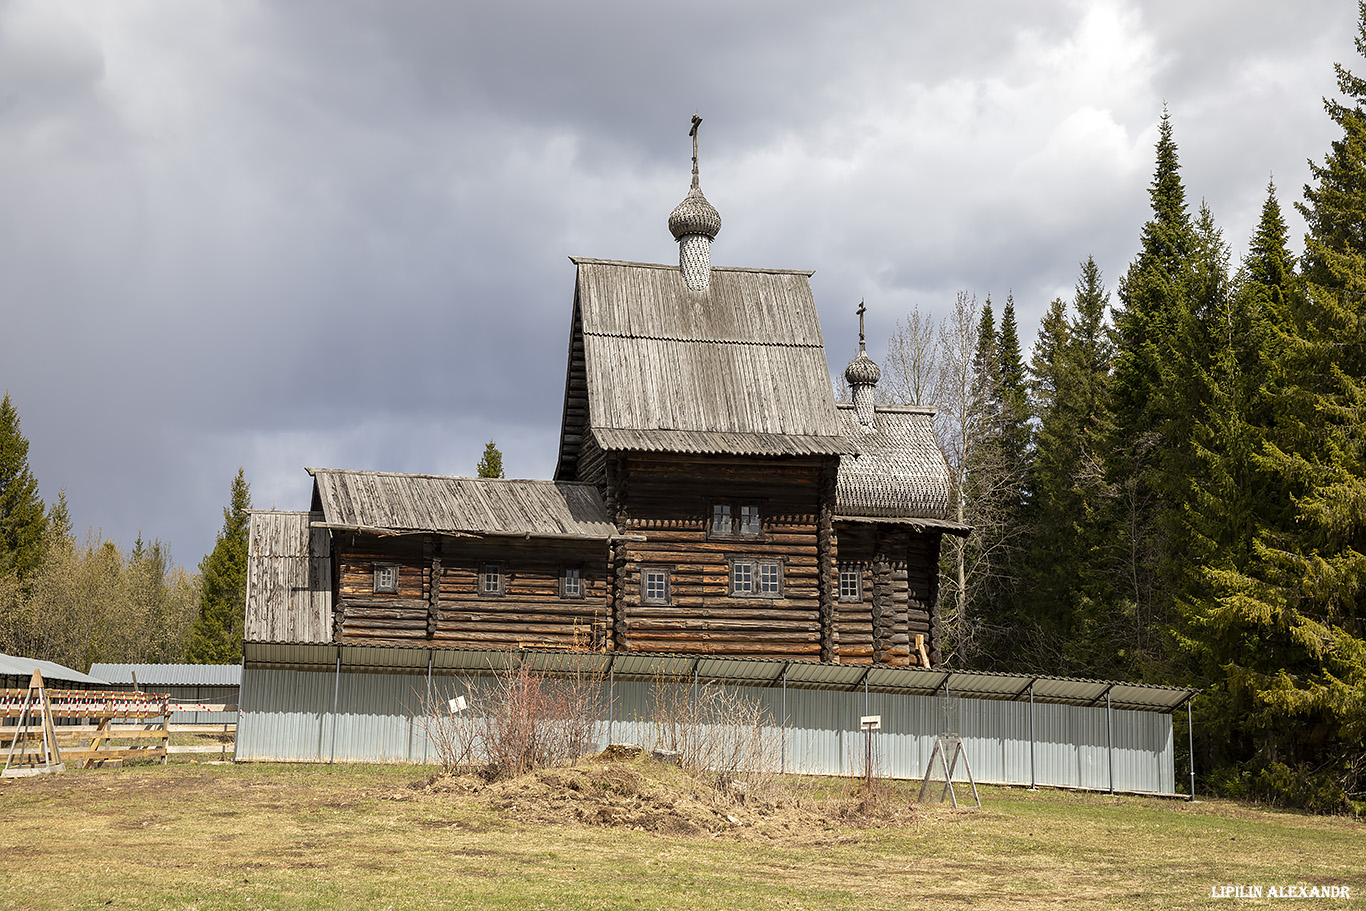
{"x": 761, "y": 672}
{"x": 944, "y": 526}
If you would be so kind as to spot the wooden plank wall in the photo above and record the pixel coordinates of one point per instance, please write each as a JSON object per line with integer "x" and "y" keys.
{"x": 453, "y": 612}
{"x": 289, "y": 579}
{"x": 900, "y": 589}
{"x": 668, "y": 500}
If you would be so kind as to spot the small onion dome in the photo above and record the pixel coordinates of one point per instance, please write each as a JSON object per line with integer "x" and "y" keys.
{"x": 694, "y": 215}
{"x": 862, "y": 371}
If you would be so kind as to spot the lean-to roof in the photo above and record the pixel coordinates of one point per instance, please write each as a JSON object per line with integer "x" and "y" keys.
{"x": 738, "y": 368}
{"x": 389, "y": 502}
{"x": 897, "y": 469}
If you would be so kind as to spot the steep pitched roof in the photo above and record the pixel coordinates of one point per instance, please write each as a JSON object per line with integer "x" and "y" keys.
{"x": 739, "y": 368}
{"x": 897, "y": 471}
{"x": 389, "y": 502}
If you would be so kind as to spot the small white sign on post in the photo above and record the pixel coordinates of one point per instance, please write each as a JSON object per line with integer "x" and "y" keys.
{"x": 870, "y": 722}
{"x": 458, "y": 704}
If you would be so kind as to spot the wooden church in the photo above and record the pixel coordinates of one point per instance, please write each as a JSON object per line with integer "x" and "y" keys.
{"x": 711, "y": 496}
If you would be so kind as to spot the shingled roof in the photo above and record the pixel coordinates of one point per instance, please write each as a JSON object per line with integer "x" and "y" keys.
{"x": 738, "y": 368}
{"x": 897, "y": 471}
{"x": 387, "y": 502}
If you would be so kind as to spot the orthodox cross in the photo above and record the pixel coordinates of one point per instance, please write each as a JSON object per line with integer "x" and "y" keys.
{"x": 860, "y": 311}
{"x": 696, "y": 122}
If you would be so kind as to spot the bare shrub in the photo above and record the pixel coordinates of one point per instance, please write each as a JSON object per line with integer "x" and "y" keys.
{"x": 720, "y": 736}
{"x": 520, "y": 722}
{"x": 452, "y": 734}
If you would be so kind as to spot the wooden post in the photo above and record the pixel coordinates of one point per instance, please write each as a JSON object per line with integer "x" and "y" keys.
{"x": 826, "y": 575}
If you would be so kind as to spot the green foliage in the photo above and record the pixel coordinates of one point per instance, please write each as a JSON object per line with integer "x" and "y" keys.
{"x": 1283, "y": 631}
{"x": 1064, "y": 623}
{"x": 216, "y": 637}
{"x": 87, "y": 602}
{"x": 491, "y": 465}
{"x": 23, "y": 520}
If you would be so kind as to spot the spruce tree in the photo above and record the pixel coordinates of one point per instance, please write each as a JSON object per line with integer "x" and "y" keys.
{"x": 1290, "y": 631}
{"x": 216, "y": 636}
{"x": 1067, "y": 610}
{"x": 23, "y": 520}
{"x": 1155, "y": 385}
{"x": 491, "y": 465}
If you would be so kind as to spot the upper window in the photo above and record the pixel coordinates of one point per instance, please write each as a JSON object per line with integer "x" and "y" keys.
{"x": 491, "y": 579}
{"x": 851, "y": 582}
{"x": 730, "y": 520}
{"x": 751, "y": 578}
{"x": 386, "y": 578}
{"x": 654, "y": 584}
{"x": 571, "y": 582}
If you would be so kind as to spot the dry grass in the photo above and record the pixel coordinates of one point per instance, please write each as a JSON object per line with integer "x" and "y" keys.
{"x": 597, "y": 836}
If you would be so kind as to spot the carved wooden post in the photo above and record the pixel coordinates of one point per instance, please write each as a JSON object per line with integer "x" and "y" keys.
{"x": 826, "y": 575}
{"x": 616, "y": 569}
{"x": 936, "y": 617}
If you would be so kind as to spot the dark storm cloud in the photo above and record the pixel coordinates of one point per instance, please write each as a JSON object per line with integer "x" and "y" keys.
{"x": 335, "y": 233}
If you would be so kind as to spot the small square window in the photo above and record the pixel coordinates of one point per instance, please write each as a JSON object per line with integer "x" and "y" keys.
{"x": 654, "y": 584}
{"x": 720, "y": 519}
{"x": 386, "y": 578}
{"x": 770, "y": 580}
{"x": 851, "y": 582}
{"x": 571, "y": 582}
{"x": 749, "y": 520}
{"x": 742, "y": 578}
{"x": 491, "y": 579}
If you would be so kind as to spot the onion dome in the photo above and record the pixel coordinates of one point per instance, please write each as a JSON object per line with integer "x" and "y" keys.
{"x": 862, "y": 371}
{"x": 694, "y": 215}
{"x": 862, "y": 375}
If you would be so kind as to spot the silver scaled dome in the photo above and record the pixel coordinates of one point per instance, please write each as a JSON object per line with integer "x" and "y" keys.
{"x": 862, "y": 371}
{"x": 694, "y": 215}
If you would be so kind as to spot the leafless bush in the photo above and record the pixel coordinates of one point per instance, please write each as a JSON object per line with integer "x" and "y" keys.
{"x": 453, "y": 735}
{"x": 520, "y": 722}
{"x": 719, "y": 734}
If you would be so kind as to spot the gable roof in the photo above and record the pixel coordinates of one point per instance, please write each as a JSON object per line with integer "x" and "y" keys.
{"x": 739, "y": 368}
{"x": 897, "y": 470}
{"x": 388, "y": 502}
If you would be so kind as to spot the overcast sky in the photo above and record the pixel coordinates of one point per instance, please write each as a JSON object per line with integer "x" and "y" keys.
{"x": 335, "y": 233}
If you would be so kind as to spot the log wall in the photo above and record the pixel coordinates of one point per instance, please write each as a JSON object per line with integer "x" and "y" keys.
{"x": 439, "y": 603}
{"x": 668, "y": 501}
{"x": 900, "y": 594}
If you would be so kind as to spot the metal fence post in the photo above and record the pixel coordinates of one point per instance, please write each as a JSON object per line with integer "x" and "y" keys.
{"x": 336, "y": 695}
{"x": 1190, "y": 740}
{"x": 1110, "y": 740}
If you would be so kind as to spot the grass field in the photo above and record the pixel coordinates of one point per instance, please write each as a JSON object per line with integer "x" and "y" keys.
{"x": 630, "y": 835}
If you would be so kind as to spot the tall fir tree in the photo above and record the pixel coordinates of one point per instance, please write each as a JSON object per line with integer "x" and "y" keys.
{"x": 1151, "y": 400}
{"x": 1291, "y": 628}
{"x": 23, "y": 518}
{"x": 216, "y": 635}
{"x": 1066, "y": 611}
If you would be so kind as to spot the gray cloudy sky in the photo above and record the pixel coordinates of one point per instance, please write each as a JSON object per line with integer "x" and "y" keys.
{"x": 334, "y": 233}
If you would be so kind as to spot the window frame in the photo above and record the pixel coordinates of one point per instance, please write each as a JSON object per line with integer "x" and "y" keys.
{"x": 857, "y": 569}
{"x": 663, "y": 569}
{"x": 755, "y": 567}
{"x": 565, "y": 593}
{"x": 381, "y": 588}
{"x": 735, "y": 511}
{"x": 485, "y": 570}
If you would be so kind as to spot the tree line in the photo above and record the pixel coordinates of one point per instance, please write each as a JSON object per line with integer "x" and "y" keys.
{"x": 81, "y": 601}
{"x": 1173, "y": 488}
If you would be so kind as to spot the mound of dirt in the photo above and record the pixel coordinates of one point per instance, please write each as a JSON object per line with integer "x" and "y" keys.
{"x": 642, "y": 794}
